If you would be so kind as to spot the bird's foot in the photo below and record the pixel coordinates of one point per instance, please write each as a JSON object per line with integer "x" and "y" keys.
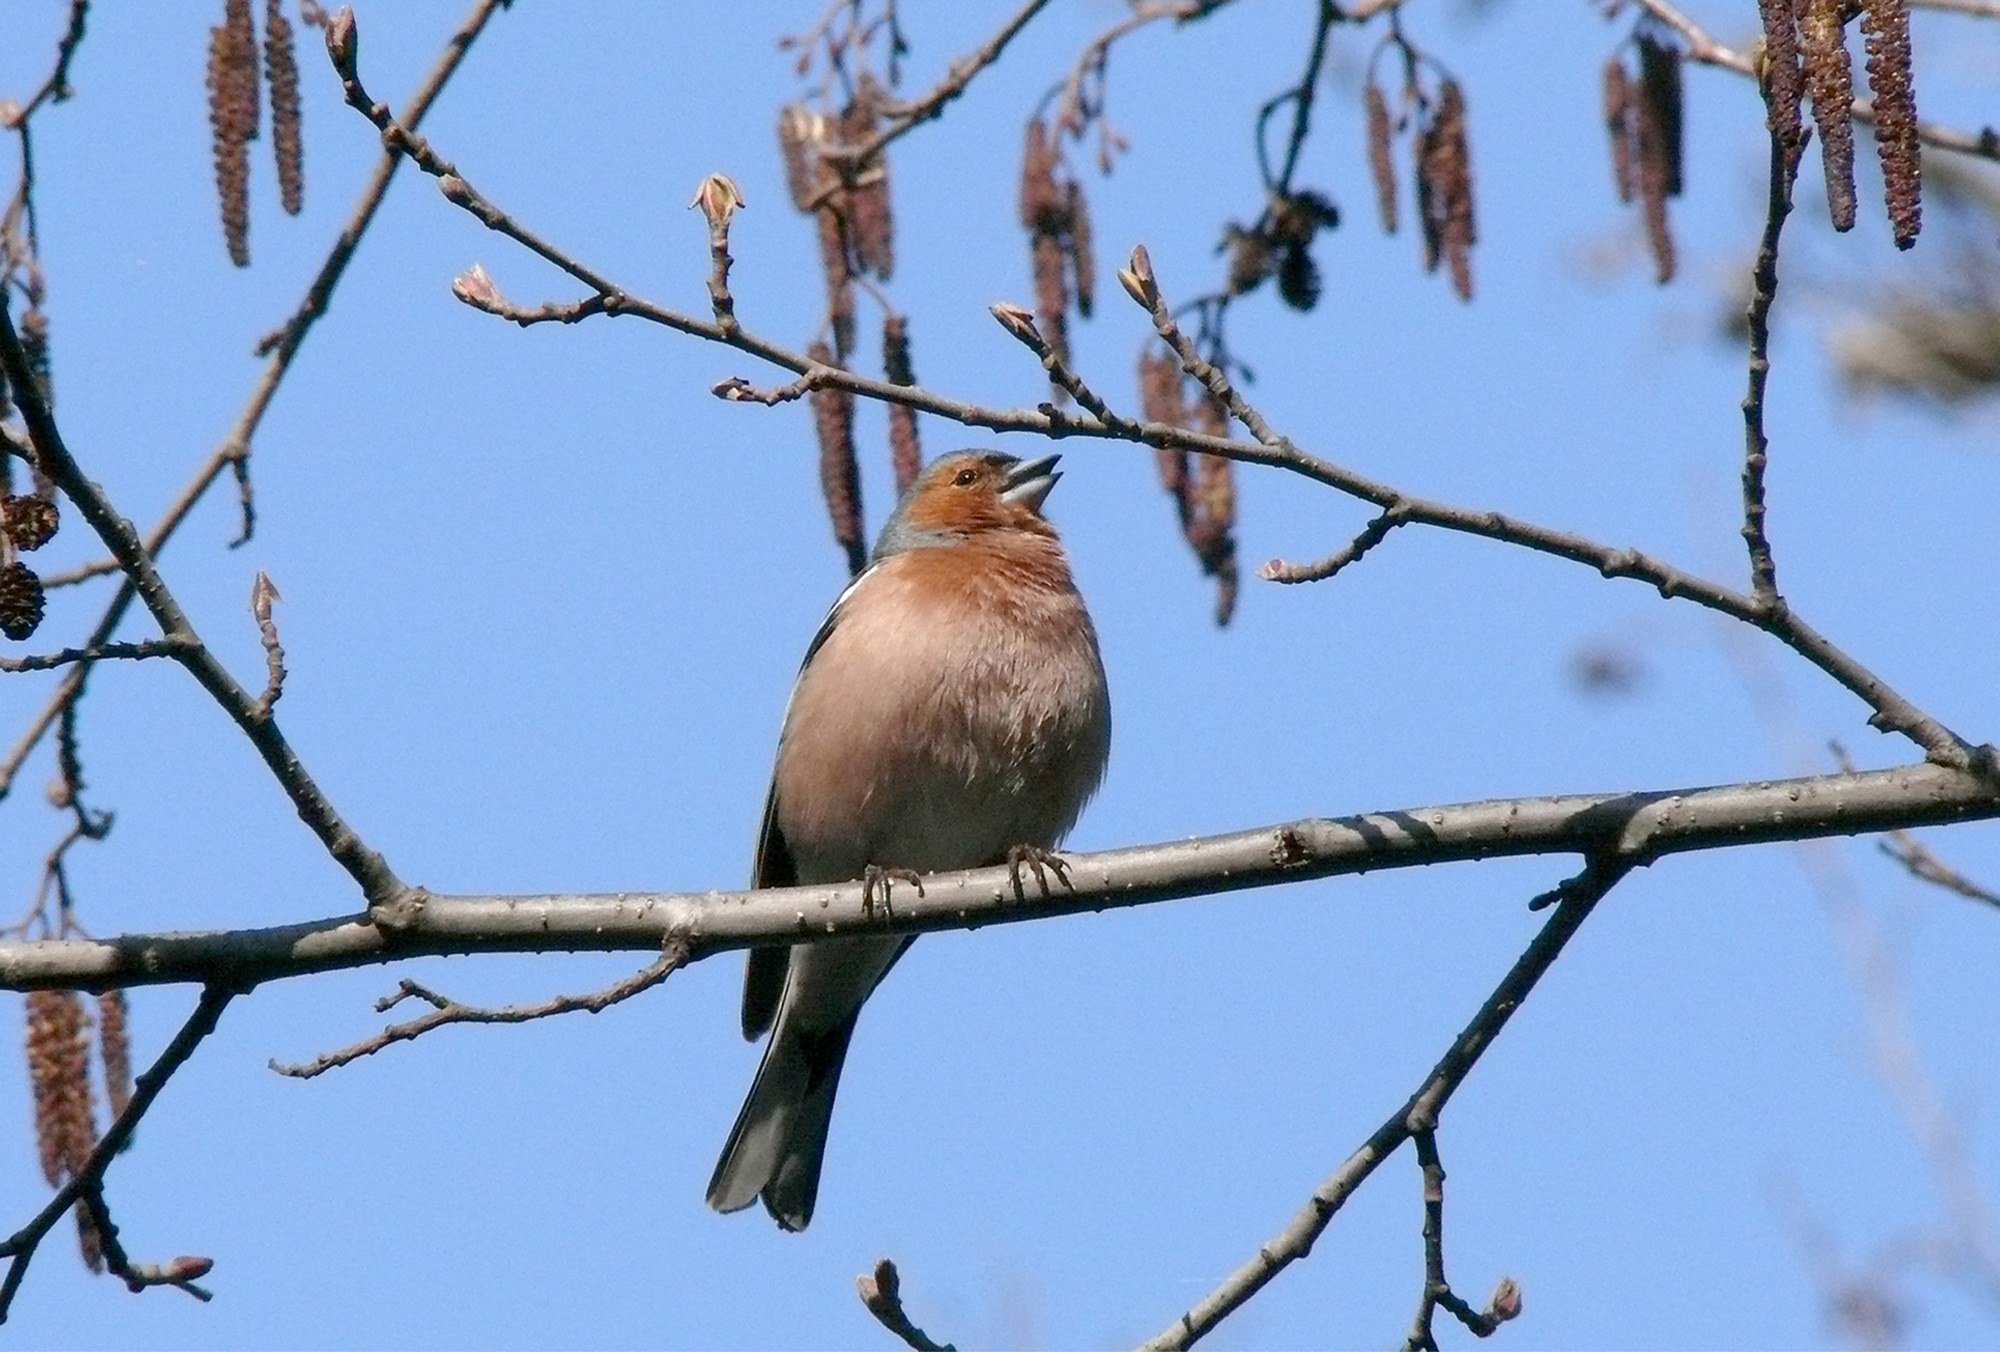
{"x": 1041, "y": 861}
{"x": 876, "y": 881}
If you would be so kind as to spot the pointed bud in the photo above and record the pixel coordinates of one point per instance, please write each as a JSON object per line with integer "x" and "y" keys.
{"x": 1141, "y": 284}
{"x": 343, "y": 42}
{"x": 718, "y": 197}
{"x": 1017, "y": 321}
{"x": 1506, "y": 1301}
{"x": 475, "y": 288}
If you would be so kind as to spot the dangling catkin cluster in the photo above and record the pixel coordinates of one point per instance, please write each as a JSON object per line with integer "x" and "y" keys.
{"x": 1203, "y": 487}
{"x": 281, "y": 70}
{"x": 1381, "y": 168}
{"x": 59, "y": 1079}
{"x": 1057, "y": 218}
{"x": 1444, "y": 187}
{"x": 1829, "y": 80}
{"x": 1620, "y": 124}
{"x": 114, "y": 1047}
{"x": 867, "y": 203}
{"x": 1643, "y": 118}
{"x": 850, "y": 206}
{"x": 839, "y": 469}
{"x": 1783, "y": 76}
{"x": 1885, "y": 26}
{"x": 906, "y": 457}
{"x": 234, "y": 74}
{"x": 232, "y": 120}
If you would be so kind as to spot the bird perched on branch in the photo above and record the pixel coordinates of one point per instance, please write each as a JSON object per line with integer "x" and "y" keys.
{"x": 951, "y": 713}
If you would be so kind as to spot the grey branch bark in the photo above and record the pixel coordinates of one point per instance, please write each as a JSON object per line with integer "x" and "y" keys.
{"x": 1637, "y": 826}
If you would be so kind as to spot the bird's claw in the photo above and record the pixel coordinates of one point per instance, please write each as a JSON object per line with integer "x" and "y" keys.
{"x": 876, "y": 881}
{"x": 1041, "y": 861}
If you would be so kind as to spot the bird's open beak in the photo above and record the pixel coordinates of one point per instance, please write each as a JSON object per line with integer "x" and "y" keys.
{"x": 1029, "y": 482}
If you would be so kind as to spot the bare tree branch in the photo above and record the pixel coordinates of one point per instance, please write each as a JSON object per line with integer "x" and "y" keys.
{"x": 281, "y": 346}
{"x": 368, "y": 869}
{"x": 909, "y": 116}
{"x": 1892, "y": 712}
{"x": 103, "y": 652}
{"x": 1575, "y": 901}
{"x": 1505, "y": 1303}
{"x": 1786, "y": 146}
{"x": 446, "y": 1010}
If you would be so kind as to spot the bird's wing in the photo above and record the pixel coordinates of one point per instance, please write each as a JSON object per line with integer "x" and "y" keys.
{"x": 764, "y": 979}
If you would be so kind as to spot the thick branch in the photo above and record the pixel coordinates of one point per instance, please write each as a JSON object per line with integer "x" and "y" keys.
{"x": 1638, "y": 826}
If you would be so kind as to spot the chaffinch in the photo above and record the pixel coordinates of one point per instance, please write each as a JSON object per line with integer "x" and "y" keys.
{"x": 951, "y": 713}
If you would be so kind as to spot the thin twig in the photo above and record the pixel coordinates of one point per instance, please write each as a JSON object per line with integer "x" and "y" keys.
{"x": 139, "y": 651}
{"x": 1786, "y": 147}
{"x": 263, "y": 593}
{"x": 21, "y": 1245}
{"x": 1374, "y": 533}
{"x": 1020, "y": 324}
{"x": 881, "y": 1294}
{"x": 960, "y": 74}
{"x": 1505, "y": 1302}
{"x": 1300, "y": 96}
{"x": 1922, "y": 863}
{"x": 446, "y": 1010}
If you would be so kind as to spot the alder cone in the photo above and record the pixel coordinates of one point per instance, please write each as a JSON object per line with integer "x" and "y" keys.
{"x": 21, "y": 601}
{"x": 30, "y": 521}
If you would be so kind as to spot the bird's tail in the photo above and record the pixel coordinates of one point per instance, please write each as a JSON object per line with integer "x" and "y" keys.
{"x": 779, "y": 1140}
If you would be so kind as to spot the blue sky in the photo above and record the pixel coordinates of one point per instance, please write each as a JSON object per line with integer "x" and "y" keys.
{"x": 544, "y": 597}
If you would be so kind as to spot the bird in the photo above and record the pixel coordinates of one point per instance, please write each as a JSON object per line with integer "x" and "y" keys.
{"x": 951, "y": 713}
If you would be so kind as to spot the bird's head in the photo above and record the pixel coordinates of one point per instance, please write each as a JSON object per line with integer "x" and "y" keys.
{"x": 969, "y": 493}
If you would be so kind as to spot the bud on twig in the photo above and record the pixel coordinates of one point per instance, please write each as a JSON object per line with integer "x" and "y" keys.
{"x": 475, "y": 287}
{"x": 343, "y": 42}
{"x": 718, "y": 197}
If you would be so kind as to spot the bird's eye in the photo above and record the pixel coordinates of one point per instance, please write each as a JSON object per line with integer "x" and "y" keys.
{"x": 966, "y": 478}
